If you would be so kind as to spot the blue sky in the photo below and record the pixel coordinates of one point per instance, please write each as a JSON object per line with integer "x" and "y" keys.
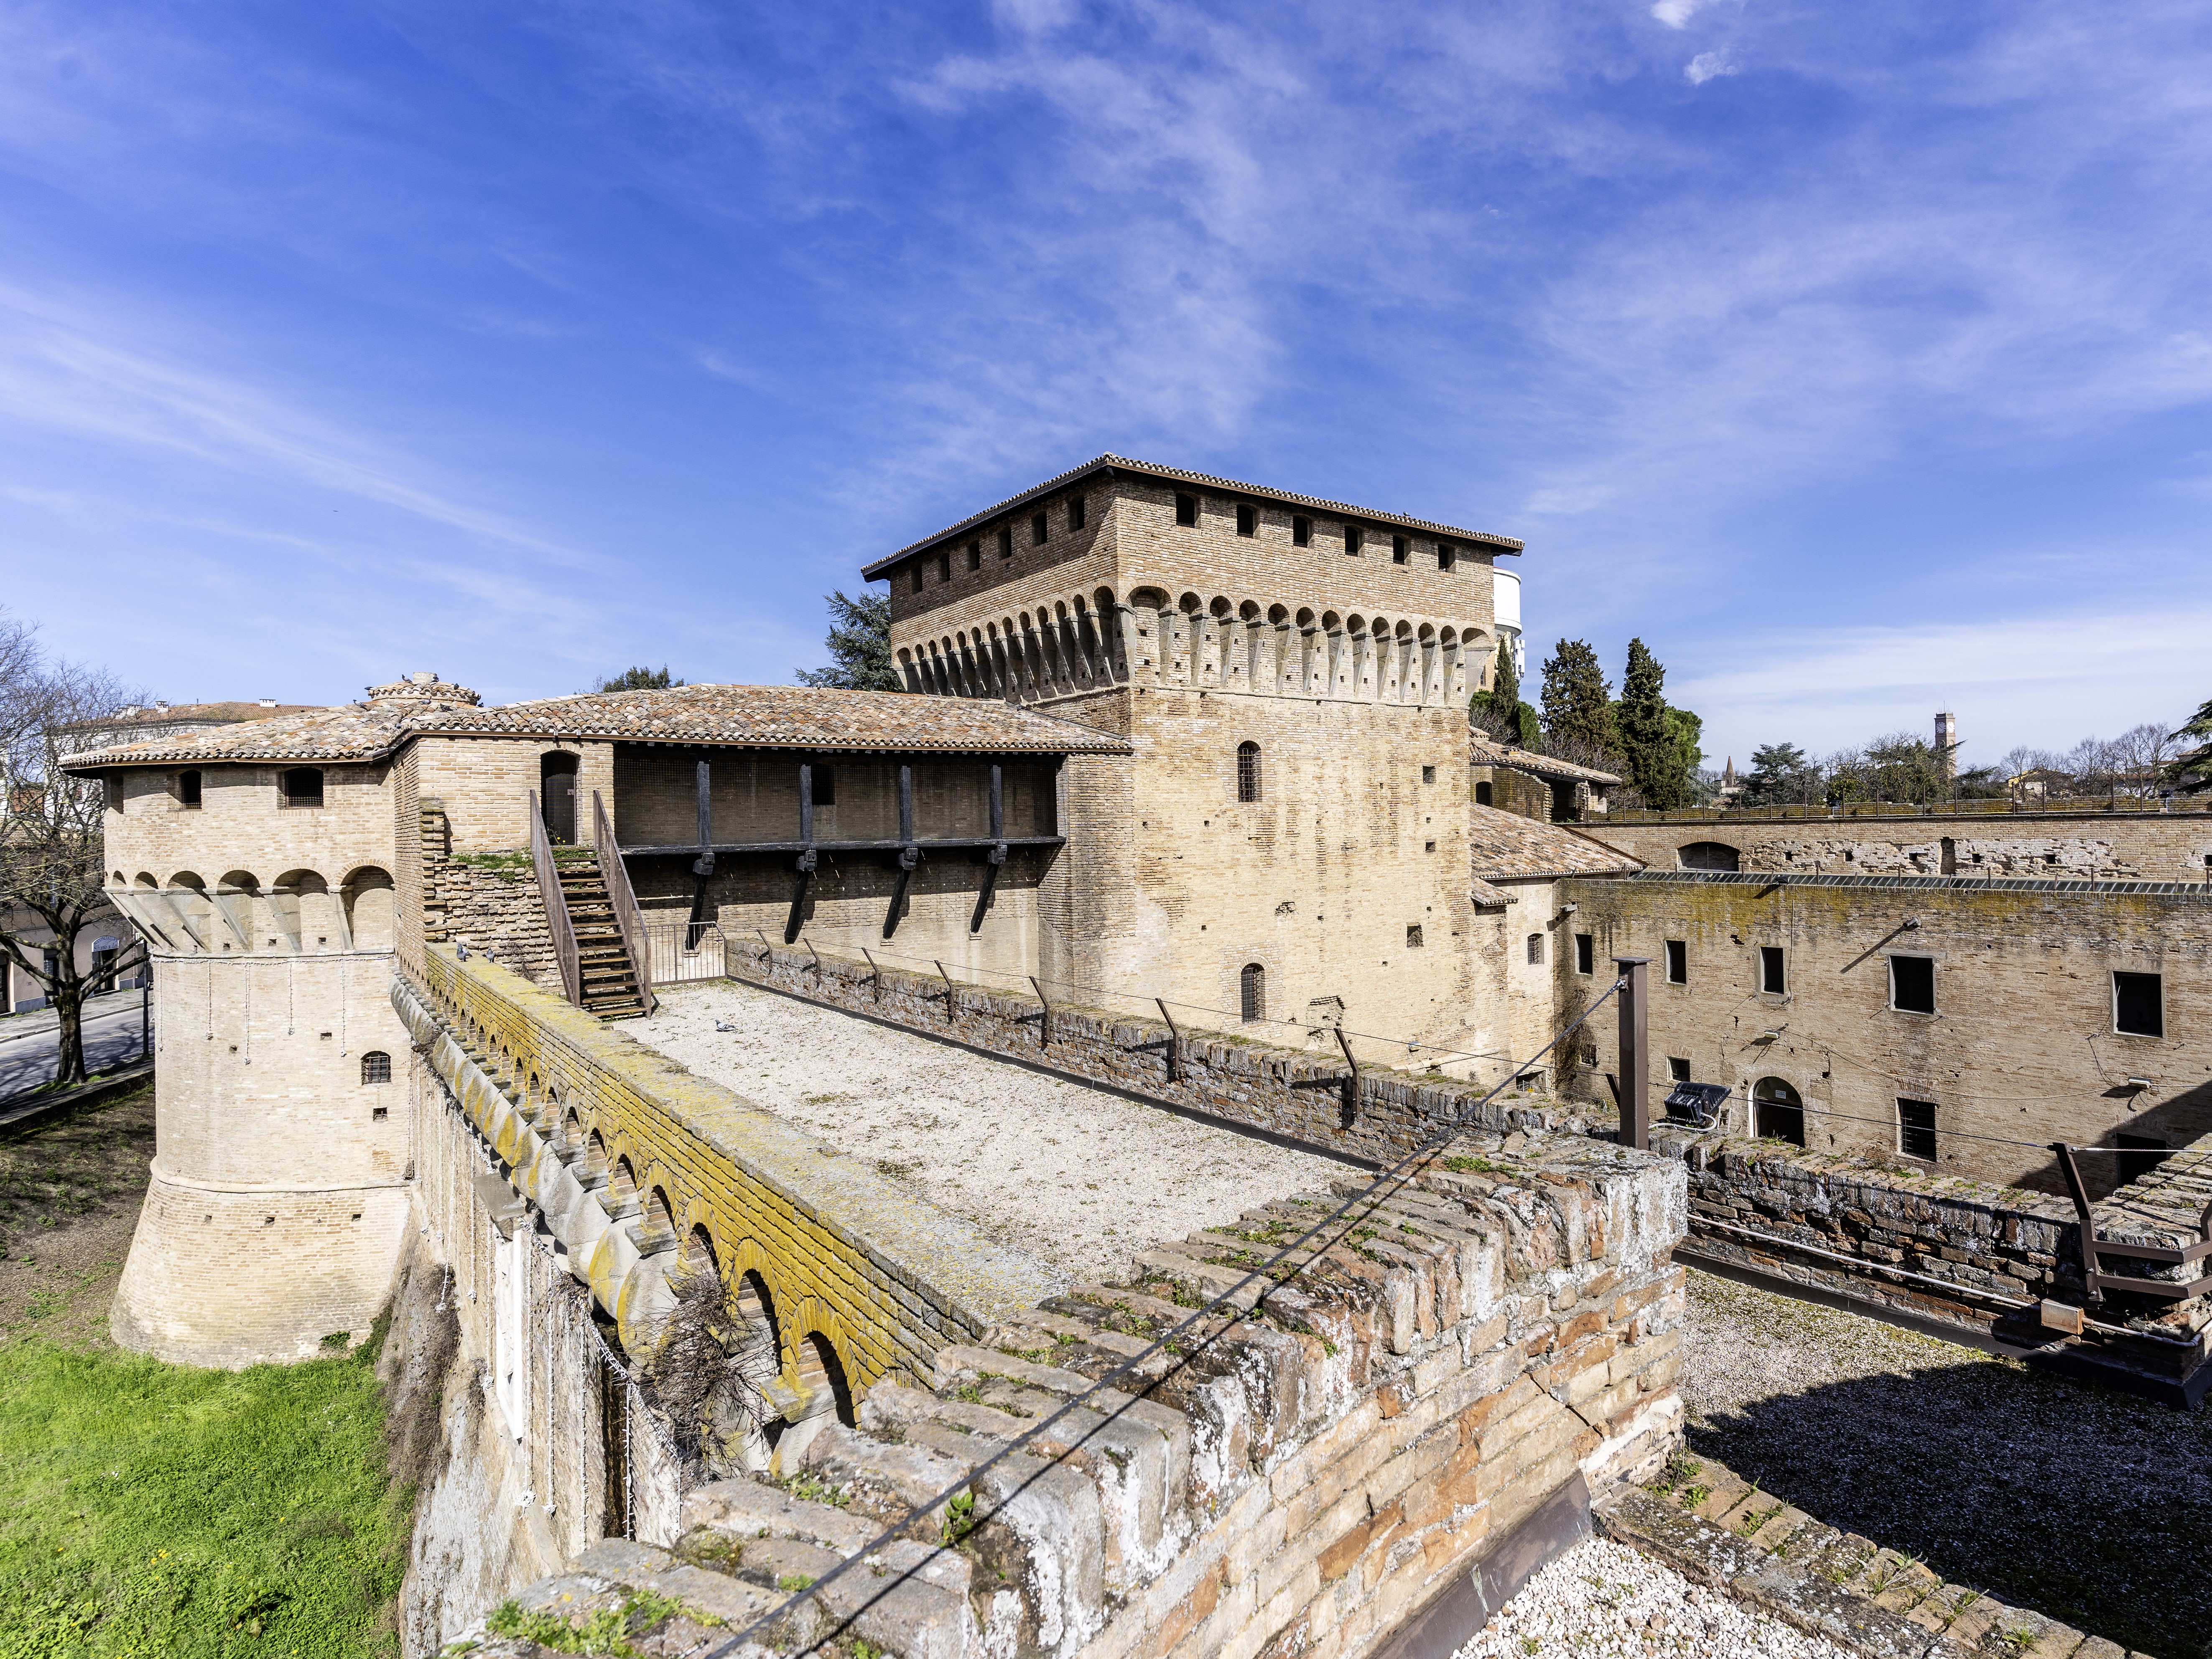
{"x": 1857, "y": 357}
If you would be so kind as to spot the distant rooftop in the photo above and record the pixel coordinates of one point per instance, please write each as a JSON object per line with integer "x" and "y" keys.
{"x": 745, "y": 716}
{"x": 1110, "y": 463}
{"x": 1487, "y": 751}
{"x": 1506, "y": 846}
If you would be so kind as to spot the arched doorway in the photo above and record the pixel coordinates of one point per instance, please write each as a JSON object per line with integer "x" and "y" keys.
{"x": 557, "y": 775}
{"x": 1777, "y": 1112}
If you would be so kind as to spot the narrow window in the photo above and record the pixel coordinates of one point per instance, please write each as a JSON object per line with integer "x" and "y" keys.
{"x": 1482, "y": 793}
{"x": 975, "y": 555}
{"x": 1398, "y": 546}
{"x": 917, "y": 576}
{"x": 1252, "y": 985}
{"x": 188, "y": 790}
{"x": 1247, "y": 771}
{"x": 1006, "y": 541}
{"x": 1075, "y": 513}
{"x": 1352, "y": 540}
{"x": 1428, "y": 774}
{"x": 1187, "y": 511}
{"x": 826, "y": 785}
{"x": 376, "y": 1067}
{"x": 1040, "y": 531}
{"x": 1535, "y": 950}
{"x": 1585, "y": 953}
{"x": 1678, "y": 1070}
{"x": 1771, "y": 978}
{"x": 2138, "y": 1004}
{"x": 943, "y": 568}
{"x": 1413, "y": 937}
{"x": 113, "y": 786}
{"x": 1444, "y": 556}
{"x": 1301, "y": 536}
{"x": 1248, "y": 519}
{"x": 301, "y": 785}
{"x": 1915, "y": 1129}
{"x": 1677, "y": 961}
{"x": 1912, "y": 984}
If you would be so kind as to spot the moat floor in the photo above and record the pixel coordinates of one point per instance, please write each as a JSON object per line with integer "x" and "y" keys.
{"x": 2086, "y": 1506}
{"x": 1071, "y": 1174}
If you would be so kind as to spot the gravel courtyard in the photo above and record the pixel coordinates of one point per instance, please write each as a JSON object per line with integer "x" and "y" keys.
{"x": 2086, "y": 1506}
{"x": 1071, "y": 1174}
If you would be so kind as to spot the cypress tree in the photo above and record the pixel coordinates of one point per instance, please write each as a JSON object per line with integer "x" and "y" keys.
{"x": 1577, "y": 705}
{"x": 1500, "y": 707}
{"x": 1647, "y": 742}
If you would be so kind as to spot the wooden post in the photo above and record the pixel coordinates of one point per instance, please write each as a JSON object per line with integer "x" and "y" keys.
{"x": 815, "y": 954}
{"x": 1351, "y": 1089}
{"x": 2087, "y": 1222}
{"x": 807, "y": 801}
{"x": 877, "y": 971}
{"x": 1175, "y": 1042}
{"x": 947, "y": 978}
{"x": 1635, "y": 1043}
{"x": 706, "y": 818}
{"x": 998, "y": 808}
{"x": 906, "y": 804}
{"x": 1044, "y": 1025}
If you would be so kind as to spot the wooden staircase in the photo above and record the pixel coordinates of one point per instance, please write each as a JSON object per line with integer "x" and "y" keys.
{"x": 608, "y": 980}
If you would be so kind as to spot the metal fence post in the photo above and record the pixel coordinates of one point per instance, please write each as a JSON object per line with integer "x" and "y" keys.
{"x": 1635, "y": 1046}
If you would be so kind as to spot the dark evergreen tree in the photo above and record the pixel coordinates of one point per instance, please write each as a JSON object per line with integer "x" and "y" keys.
{"x": 1499, "y": 710}
{"x": 859, "y": 647}
{"x": 1578, "y": 706}
{"x": 640, "y": 679}
{"x": 2192, "y": 774}
{"x": 1647, "y": 739}
{"x": 1781, "y": 773}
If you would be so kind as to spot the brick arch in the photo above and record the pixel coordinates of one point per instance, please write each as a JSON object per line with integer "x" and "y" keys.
{"x": 818, "y": 1359}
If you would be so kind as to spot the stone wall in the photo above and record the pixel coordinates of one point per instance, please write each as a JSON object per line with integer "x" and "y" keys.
{"x": 1307, "y": 1095}
{"x": 488, "y": 900}
{"x": 2001, "y": 842}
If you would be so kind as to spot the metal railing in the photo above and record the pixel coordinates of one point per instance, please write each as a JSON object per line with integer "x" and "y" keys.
{"x": 685, "y": 951}
{"x": 556, "y": 906}
{"x": 616, "y": 874}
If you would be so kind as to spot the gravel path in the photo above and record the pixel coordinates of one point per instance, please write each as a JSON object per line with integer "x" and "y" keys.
{"x": 2080, "y": 1504}
{"x": 1074, "y": 1174}
{"x": 1603, "y": 1600}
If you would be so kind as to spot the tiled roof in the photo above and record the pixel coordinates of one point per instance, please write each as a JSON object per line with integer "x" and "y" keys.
{"x": 1205, "y": 480}
{"x": 1487, "y": 898}
{"x": 1506, "y": 846}
{"x": 1487, "y": 751}
{"x": 789, "y": 717}
{"x": 757, "y": 716}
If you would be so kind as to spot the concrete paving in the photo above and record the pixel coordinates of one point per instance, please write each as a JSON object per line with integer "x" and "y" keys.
{"x": 33, "y": 1058}
{"x": 1074, "y": 1175}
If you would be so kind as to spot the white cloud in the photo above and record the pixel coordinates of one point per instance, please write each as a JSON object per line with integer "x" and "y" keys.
{"x": 1677, "y": 14}
{"x": 1706, "y": 66}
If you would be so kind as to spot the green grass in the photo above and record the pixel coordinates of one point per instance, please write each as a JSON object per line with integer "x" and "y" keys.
{"x": 149, "y": 1508}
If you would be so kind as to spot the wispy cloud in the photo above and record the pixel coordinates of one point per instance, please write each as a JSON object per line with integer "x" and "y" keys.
{"x": 1677, "y": 14}
{"x": 1706, "y": 66}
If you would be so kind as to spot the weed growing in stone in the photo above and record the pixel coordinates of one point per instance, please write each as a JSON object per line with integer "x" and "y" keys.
{"x": 606, "y": 1632}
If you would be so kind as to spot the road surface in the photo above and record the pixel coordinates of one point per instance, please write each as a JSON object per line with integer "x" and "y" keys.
{"x": 110, "y": 1040}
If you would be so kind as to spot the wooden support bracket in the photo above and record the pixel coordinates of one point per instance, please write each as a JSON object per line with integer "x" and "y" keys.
{"x": 1044, "y": 1025}
{"x": 1351, "y": 1085}
{"x": 1175, "y": 1042}
{"x": 811, "y": 951}
{"x": 878, "y": 980}
{"x": 947, "y": 978}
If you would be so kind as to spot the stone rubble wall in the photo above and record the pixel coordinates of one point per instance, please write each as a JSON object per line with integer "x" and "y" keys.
{"x": 1307, "y": 1097}
{"x": 1297, "y": 1480}
{"x": 487, "y": 901}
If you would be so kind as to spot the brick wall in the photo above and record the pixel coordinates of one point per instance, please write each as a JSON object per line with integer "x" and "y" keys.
{"x": 2021, "y": 1045}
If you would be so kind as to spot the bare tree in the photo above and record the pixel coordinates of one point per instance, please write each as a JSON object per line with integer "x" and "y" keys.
{"x": 706, "y": 1365}
{"x": 50, "y": 881}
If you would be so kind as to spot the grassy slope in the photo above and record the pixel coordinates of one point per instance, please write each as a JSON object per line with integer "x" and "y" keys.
{"x": 153, "y": 1509}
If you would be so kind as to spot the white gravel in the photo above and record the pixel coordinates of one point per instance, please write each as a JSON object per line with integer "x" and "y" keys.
{"x": 1603, "y": 1600}
{"x": 1074, "y": 1174}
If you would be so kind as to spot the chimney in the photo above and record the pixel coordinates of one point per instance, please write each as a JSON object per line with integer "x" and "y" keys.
{"x": 1947, "y": 745}
{"x": 268, "y": 702}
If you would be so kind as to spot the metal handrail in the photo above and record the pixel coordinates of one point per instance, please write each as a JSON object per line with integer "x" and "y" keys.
{"x": 616, "y": 874}
{"x": 556, "y": 906}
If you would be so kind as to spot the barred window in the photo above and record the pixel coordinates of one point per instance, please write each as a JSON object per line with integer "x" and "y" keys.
{"x": 1247, "y": 771}
{"x": 376, "y": 1067}
{"x": 1253, "y": 984}
{"x": 301, "y": 785}
{"x": 1915, "y": 1129}
{"x": 1535, "y": 950}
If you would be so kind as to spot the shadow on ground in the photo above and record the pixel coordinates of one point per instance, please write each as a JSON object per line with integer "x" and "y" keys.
{"x": 2086, "y": 1506}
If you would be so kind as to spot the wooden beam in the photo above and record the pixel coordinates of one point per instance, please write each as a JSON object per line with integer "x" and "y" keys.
{"x": 877, "y": 971}
{"x": 1175, "y": 1042}
{"x": 1044, "y": 1025}
{"x": 940, "y": 843}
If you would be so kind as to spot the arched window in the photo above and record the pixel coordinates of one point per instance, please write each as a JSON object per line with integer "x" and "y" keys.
{"x": 1711, "y": 855}
{"x": 376, "y": 1067}
{"x": 1247, "y": 771}
{"x": 1778, "y": 1113}
{"x": 1482, "y": 793}
{"x": 1253, "y": 984}
{"x": 1535, "y": 950}
{"x": 301, "y": 786}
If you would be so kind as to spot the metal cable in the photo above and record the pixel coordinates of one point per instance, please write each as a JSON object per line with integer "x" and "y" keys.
{"x": 1963, "y": 1135}
{"x": 1453, "y": 1127}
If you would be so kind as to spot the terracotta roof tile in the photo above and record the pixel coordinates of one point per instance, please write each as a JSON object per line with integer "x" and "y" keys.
{"x": 1486, "y": 751}
{"x": 1506, "y": 846}
{"x": 757, "y": 716}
